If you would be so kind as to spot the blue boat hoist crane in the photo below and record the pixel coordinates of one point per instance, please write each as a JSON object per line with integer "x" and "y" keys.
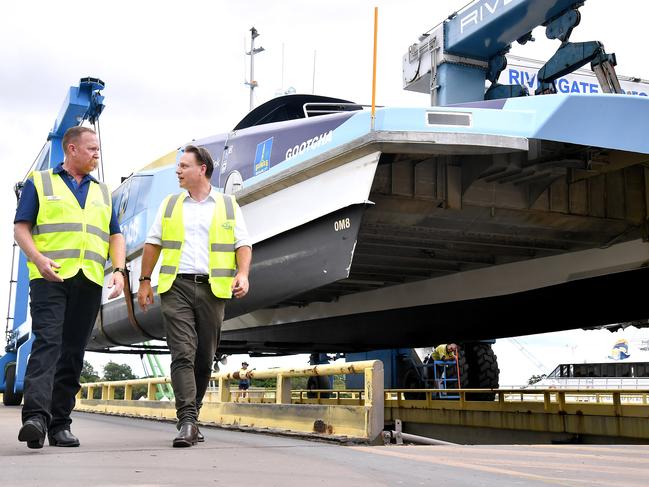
{"x": 454, "y": 62}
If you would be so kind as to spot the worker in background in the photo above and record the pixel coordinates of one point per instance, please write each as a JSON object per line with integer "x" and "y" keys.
{"x": 66, "y": 226}
{"x": 445, "y": 352}
{"x": 206, "y": 257}
{"x": 244, "y": 381}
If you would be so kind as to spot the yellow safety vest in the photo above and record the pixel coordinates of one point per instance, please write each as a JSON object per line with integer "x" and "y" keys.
{"x": 222, "y": 259}
{"x": 75, "y": 238}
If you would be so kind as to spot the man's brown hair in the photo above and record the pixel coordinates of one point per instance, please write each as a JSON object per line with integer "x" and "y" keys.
{"x": 202, "y": 157}
{"x": 72, "y": 135}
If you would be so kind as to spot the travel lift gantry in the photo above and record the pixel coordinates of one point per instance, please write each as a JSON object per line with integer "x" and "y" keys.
{"x": 453, "y": 62}
{"x": 83, "y": 102}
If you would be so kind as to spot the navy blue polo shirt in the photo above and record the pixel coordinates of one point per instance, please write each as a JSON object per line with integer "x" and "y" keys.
{"x": 28, "y": 205}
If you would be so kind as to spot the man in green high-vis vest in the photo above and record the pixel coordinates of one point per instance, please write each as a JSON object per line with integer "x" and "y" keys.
{"x": 206, "y": 254}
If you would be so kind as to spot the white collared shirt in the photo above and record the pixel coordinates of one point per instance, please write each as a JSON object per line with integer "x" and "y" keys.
{"x": 197, "y": 217}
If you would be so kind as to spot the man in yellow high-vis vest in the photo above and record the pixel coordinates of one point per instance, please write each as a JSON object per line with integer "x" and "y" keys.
{"x": 66, "y": 226}
{"x": 206, "y": 255}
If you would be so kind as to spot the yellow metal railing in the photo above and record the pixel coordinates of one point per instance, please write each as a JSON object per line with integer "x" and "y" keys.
{"x": 281, "y": 408}
{"x": 416, "y": 397}
{"x": 551, "y": 398}
{"x": 362, "y": 412}
{"x": 594, "y": 412}
{"x": 327, "y": 396}
{"x": 108, "y": 388}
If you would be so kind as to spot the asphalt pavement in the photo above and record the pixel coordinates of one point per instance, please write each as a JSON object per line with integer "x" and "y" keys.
{"x": 119, "y": 451}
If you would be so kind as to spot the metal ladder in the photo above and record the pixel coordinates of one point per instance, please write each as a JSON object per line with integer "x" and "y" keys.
{"x": 441, "y": 379}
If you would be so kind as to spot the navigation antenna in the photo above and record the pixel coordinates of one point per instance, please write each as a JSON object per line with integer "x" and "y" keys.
{"x": 253, "y": 50}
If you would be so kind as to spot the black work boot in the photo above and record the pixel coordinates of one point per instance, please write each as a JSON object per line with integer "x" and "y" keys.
{"x": 33, "y": 432}
{"x": 62, "y": 438}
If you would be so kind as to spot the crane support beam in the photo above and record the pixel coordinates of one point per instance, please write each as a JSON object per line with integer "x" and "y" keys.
{"x": 83, "y": 102}
{"x": 454, "y": 60}
{"x": 486, "y": 27}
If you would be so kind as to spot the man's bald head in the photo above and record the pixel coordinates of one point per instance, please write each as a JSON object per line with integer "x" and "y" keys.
{"x": 72, "y": 136}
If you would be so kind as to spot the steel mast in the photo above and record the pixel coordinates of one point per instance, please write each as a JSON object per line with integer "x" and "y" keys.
{"x": 252, "y": 83}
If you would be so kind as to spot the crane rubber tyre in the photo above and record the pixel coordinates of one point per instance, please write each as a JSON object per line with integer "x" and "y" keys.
{"x": 411, "y": 380}
{"x": 9, "y": 397}
{"x": 318, "y": 382}
{"x": 483, "y": 371}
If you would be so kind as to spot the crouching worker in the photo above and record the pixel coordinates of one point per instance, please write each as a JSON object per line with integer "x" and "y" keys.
{"x": 206, "y": 257}
{"x": 446, "y": 351}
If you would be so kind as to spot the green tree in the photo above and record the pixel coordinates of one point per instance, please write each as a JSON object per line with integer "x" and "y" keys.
{"x": 114, "y": 371}
{"x": 299, "y": 383}
{"x": 266, "y": 383}
{"x": 88, "y": 373}
{"x": 139, "y": 391}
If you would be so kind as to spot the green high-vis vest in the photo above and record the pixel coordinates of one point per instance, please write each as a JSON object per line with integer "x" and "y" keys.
{"x": 75, "y": 238}
{"x": 222, "y": 259}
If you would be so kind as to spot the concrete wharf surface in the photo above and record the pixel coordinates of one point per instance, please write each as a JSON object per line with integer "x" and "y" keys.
{"x": 118, "y": 451}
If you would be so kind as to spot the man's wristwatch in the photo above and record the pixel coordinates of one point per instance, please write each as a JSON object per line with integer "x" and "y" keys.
{"x": 144, "y": 278}
{"x": 121, "y": 270}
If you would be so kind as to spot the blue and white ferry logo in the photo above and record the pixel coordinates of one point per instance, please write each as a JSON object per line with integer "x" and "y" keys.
{"x": 262, "y": 156}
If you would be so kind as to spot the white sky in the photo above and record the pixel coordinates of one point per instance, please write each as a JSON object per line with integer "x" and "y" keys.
{"x": 174, "y": 71}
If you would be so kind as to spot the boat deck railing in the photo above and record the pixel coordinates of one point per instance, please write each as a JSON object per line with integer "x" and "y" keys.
{"x": 585, "y": 383}
{"x": 313, "y": 109}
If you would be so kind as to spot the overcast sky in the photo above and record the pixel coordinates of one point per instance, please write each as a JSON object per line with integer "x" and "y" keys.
{"x": 174, "y": 71}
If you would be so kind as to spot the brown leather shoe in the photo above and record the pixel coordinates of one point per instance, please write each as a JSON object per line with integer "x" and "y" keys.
{"x": 187, "y": 436}
{"x": 200, "y": 436}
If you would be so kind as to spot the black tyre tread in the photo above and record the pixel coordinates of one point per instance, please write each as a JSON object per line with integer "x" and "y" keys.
{"x": 463, "y": 366}
{"x": 9, "y": 397}
{"x": 483, "y": 372}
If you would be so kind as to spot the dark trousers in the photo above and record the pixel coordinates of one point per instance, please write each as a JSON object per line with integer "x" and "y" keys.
{"x": 192, "y": 318}
{"x": 63, "y": 315}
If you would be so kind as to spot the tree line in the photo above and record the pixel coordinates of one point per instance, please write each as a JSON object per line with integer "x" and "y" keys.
{"x": 112, "y": 371}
